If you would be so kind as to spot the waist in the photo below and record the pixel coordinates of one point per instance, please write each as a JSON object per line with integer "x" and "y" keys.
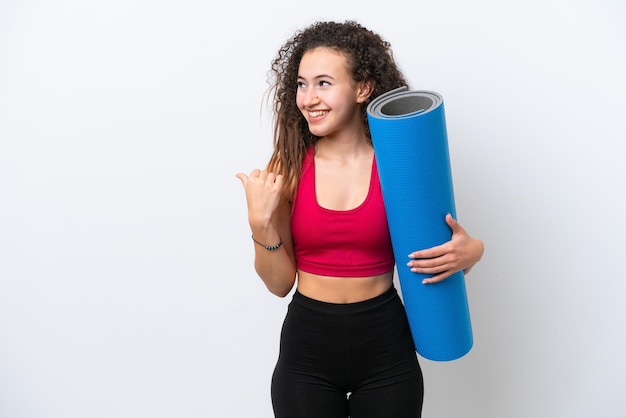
{"x": 390, "y": 295}
{"x": 343, "y": 289}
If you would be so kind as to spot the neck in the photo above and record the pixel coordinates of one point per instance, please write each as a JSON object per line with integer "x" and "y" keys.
{"x": 346, "y": 142}
{"x": 329, "y": 148}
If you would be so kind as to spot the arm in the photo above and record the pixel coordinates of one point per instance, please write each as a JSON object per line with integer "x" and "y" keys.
{"x": 269, "y": 217}
{"x": 462, "y": 252}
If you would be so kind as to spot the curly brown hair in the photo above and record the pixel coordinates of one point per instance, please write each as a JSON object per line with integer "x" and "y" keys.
{"x": 369, "y": 58}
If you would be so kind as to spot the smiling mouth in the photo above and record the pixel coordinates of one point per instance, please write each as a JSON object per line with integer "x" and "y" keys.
{"x": 317, "y": 113}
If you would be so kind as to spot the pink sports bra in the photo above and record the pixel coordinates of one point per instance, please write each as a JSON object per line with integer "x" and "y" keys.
{"x": 350, "y": 243}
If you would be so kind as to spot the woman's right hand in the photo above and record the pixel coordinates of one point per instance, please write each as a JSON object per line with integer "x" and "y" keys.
{"x": 268, "y": 215}
{"x": 264, "y": 191}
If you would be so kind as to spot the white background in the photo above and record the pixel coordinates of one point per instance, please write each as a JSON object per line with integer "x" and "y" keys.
{"x": 126, "y": 279}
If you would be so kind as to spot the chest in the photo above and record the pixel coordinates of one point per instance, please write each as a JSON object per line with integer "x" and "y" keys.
{"x": 342, "y": 186}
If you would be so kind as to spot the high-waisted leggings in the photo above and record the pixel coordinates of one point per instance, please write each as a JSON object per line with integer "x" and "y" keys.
{"x": 352, "y": 360}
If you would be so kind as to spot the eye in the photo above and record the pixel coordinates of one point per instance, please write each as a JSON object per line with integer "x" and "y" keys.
{"x": 301, "y": 84}
{"x": 323, "y": 83}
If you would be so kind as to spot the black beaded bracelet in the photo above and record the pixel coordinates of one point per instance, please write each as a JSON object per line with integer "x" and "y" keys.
{"x": 268, "y": 247}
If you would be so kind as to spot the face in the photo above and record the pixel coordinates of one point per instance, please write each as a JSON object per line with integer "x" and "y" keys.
{"x": 327, "y": 95}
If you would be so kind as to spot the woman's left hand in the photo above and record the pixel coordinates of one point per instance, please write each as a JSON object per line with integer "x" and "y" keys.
{"x": 442, "y": 261}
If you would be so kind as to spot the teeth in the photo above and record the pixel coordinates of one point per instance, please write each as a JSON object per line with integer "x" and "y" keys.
{"x": 317, "y": 113}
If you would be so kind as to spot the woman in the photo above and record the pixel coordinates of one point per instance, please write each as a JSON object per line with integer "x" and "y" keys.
{"x": 317, "y": 216}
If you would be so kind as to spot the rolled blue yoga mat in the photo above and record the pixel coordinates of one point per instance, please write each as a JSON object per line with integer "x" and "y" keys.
{"x": 411, "y": 146}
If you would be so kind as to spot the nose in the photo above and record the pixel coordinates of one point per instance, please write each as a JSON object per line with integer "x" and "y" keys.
{"x": 311, "y": 97}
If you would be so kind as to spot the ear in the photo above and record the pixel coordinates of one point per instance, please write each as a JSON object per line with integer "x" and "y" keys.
{"x": 364, "y": 90}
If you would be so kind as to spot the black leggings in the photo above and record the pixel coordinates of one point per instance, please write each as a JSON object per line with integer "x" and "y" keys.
{"x": 352, "y": 360}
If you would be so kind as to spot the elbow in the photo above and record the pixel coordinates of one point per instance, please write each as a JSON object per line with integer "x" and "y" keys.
{"x": 279, "y": 276}
{"x": 278, "y": 284}
{"x": 280, "y": 288}
{"x": 281, "y": 292}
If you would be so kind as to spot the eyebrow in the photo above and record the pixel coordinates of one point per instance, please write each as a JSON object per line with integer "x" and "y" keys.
{"x": 318, "y": 76}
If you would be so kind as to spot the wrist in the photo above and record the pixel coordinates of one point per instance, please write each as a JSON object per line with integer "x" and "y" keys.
{"x": 269, "y": 247}
{"x": 260, "y": 223}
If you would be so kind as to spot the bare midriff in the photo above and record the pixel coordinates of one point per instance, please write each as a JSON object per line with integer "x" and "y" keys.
{"x": 343, "y": 289}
